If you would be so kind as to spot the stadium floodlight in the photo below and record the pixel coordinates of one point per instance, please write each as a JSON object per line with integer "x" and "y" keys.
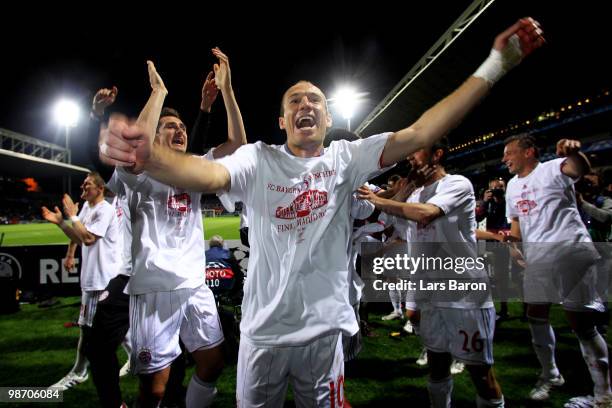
{"x": 345, "y": 100}
{"x": 66, "y": 113}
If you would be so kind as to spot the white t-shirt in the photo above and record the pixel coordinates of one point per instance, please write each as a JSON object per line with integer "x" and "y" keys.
{"x": 360, "y": 210}
{"x": 167, "y": 235}
{"x": 101, "y": 261}
{"x": 545, "y": 204}
{"x": 120, "y": 203}
{"x": 454, "y": 195}
{"x": 299, "y": 217}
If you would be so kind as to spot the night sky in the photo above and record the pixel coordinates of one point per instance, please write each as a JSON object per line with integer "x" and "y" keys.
{"x": 372, "y": 47}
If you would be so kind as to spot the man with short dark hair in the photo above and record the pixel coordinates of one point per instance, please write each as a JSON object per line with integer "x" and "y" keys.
{"x": 96, "y": 229}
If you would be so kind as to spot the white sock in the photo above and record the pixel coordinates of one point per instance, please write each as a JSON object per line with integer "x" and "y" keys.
{"x": 440, "y": 392}
{"x": 543, "y": 340}
{"x": 396, "y": 300}
{"x": 127, "y": 344}
{"x": 199, "y": 393}
{"x": 494, "y": 403}
{"x": 595, "y": 353}
{"x": 81, "y": 364}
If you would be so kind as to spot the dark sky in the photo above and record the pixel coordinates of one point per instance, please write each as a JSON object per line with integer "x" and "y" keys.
{"x": 371, "y": 46}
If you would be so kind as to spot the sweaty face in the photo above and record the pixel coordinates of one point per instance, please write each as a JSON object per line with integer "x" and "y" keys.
{"x": 172, "y": 133}
{"x": 305, "y": 116}
{"x": 89, "y": 190}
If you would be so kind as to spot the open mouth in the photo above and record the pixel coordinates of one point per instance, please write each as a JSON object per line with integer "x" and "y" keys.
{"x": 178, "y": 141}
{"x": 305, "y": 122}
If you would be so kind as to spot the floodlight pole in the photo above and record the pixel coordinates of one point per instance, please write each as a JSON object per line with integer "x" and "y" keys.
{"x": 68, "y": 157}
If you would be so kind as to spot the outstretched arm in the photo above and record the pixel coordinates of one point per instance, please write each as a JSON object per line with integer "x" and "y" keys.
{"x": 509, "y": 48}
{"x": 236, "y": 135}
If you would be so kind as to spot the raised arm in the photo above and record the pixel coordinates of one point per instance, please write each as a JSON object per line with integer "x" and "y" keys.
{"x": 576, "y": 165}
{"x": 236, "y": 135}
{"x": 198, "y": 138}
{"x": 509, "y": 48}
{"x": 114, "y": 149}
{"x": 149, "y": 116}
{"x": 103, "y": 98}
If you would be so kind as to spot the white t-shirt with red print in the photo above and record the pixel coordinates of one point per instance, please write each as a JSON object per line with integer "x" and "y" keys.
{"x": 167, "y": 235}
{"x": 101, "y": 261}
{"x": 299, "y": 229}
{"x": 544, "y": 202}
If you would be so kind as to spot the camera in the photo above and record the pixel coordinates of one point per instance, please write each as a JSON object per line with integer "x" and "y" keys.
{"x": 498, "y": 192}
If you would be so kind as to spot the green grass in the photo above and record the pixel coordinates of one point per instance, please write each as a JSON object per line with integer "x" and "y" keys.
{"x": 49, "y": 234}
{"x": 36, "y": 350}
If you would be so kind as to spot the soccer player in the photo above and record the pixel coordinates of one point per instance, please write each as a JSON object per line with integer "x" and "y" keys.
{"x": 541, "y": 203}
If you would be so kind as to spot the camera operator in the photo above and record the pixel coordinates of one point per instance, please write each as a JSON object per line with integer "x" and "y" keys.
{"x": 493, "y": 209}
{"x": 594, "y": 197}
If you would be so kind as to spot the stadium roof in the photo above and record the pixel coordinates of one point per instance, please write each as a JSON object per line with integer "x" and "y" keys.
{"x": 23, "y": 165}
{"x": 554, "y": 75}
{"x": 25, "y": 156}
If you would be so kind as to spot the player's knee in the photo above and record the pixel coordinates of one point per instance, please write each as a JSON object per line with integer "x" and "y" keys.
{"x": 586, "y": 333}
{"x": 209, "y": 364}
{"x": 439, "y": 365}
{"x": 154, "y": 392}
{"x": 538, "y": 312}
{"x": 484, "y": 380}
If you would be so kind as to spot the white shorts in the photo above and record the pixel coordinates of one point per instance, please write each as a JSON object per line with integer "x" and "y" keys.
{"x": 467, "y": 334}
{"x": 89, "y": 304}
{"x": 574, "y": 287}
{"x": 157, "y": 319}
{"x": 352, "y": 345}
{"x": 315, "y": 371}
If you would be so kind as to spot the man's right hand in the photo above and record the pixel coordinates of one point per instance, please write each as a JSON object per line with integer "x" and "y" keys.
{"x": 103, "y": 99}
{"x": 69, "y": 263}
{"x": 124, "y": 144}
{"x": 488, "y": 195}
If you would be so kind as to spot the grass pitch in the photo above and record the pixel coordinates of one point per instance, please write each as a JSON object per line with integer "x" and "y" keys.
{"x": 37, "y": 350}
{"x": 49, "y": 234}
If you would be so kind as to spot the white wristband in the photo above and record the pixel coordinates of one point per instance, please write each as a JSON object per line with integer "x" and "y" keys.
{"x": 500, "y": 62}
{"x": 74, "y": 219}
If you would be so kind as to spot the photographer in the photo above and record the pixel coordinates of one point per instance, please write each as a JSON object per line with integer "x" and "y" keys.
{"x": 594, "y": 198}
{"x": 493, "y": 209}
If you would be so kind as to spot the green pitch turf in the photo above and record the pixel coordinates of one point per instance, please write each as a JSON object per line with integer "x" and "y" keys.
{"x": 37, "y": 350}
{"x": 46, "y": 233}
